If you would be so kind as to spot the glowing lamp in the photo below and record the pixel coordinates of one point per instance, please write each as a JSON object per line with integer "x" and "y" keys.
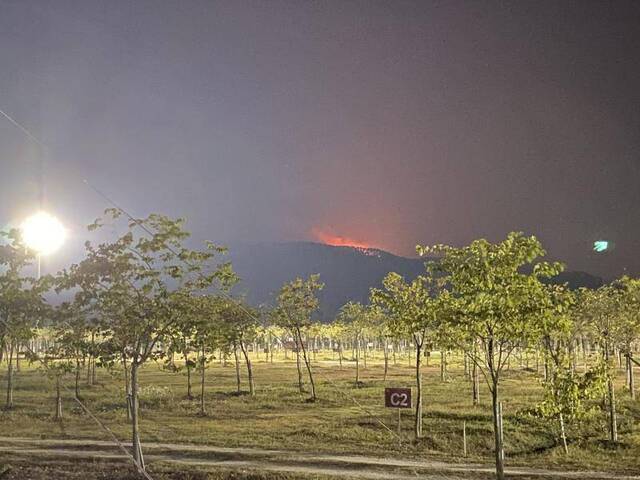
{"x": 43, "y": 233}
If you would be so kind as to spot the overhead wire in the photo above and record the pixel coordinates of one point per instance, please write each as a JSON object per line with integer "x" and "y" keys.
{"x": 141, "y": 225}
{"x": 84, "y": 407}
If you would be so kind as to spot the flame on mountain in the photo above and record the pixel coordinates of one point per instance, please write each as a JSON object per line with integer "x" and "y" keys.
{"x": 329, "y": 238}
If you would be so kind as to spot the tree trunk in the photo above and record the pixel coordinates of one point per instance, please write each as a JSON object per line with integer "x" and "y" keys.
{"x": 203, "y": 365}
{"x": 443, "y": 365}
{"x": 306, "y": 361}
{"x": 418, "y": 418}
{"x": 187, "y": 365}
{"x": 127, "y": 387}
{"x": 58, "y": 399}
{"x": 613, "y": 421}
{"x": 77, "y": 385}
{"x": 563, "y": 435}
{"x": 9, "y": 402}
{"x": 189, "y": 386}
{"x": 546, "y": 368}
{"x": 91, "y": 373}
{"x": 618, "y": 354}
{"x": 135, "y": 431}
{"x": 386, "y": 359}
{"x": 252, "y": 388}
{"x": 300, "y": 384}
{"x": 475, "y": 377}
{"x": 465, "y": 359}
{"x": 475, "y": 384}
{"x": 237, "y": 362}
{"x": 497, "y": 431}
{"x": 364, "y": 351}
{"x": 357, "y": 361}
{"x": 270, "y": 348}
{"x": 314, "y": 348}
{"x": 632, "y": 383}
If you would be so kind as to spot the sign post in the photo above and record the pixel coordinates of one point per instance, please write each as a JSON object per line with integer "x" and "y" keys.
{"x": 398, "y": 398}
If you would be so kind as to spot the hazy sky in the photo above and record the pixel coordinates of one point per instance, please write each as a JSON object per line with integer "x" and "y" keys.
{"x": 389, "y": 123}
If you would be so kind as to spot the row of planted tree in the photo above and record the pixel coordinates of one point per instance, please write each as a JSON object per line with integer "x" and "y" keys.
{"x": 146, "y": 295}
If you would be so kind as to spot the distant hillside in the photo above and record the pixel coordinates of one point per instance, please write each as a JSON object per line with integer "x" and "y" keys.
{"x": 579, "y": 279}
{"x": 348, "y": 273}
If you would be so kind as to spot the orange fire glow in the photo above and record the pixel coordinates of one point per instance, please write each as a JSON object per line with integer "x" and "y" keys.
{"x": 329, "y": 238}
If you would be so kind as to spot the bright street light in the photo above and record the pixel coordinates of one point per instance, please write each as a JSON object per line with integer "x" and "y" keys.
{"x": 43, "y": 233}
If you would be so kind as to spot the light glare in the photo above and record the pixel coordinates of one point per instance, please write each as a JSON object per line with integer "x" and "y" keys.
{"x": 600, "y": 246}
{"x": 43, "y": 233}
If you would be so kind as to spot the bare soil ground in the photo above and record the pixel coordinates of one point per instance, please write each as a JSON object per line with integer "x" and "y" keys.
{"x": 103, "y": 459}
{"x": 347, "y": 432}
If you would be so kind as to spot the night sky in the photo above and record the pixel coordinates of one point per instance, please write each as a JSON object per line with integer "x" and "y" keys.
{"x": 382, "y": 123}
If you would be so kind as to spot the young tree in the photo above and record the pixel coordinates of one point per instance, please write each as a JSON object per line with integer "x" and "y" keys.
{"x": 132, "y": 281}
{"x": 603, "y": 308}
{"x": 354, "y": 316}
{"x": 71, "y": 331}
{"x": 495, "y": 303}
{"x": 379, "y": 326}
{"x": 566, "y": 392}
{"x": 180, "y": 337}
{"x": 628, "y": 331}
{"x": 314, "y": 338}
{"x": 56, "y": 363}
{"x": 412, "y": 309}
{"x": 239, "y": 324}
{"x": 204, "y": 325}
{"x": 273, "y": 333}
{"x": 338, "y": 331}
{"x": 21, "y": 302}
{"x": 296, "y": 303}
{"x": 195, "y": 333}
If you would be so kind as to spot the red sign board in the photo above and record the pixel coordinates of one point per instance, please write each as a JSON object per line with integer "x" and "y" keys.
{"x": 397, "y": 397}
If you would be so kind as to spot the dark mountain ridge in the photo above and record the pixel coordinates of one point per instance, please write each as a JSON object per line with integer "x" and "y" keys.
{"x": 347, "y": 272}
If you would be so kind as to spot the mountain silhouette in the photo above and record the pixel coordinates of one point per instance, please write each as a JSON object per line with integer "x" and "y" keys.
{"x": 347, "y": 272}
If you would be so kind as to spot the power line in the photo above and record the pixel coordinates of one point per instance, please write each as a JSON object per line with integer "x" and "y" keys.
{"x": 139, "y": 223}
{"x": 86, "y": 409}
{"x": 23, "y": 129}
{"x": 43, "y": 151}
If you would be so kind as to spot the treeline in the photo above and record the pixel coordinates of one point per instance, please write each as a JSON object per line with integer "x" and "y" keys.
{"x": 148, "y": 296}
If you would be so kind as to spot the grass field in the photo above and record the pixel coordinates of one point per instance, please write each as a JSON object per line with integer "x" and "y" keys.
{"x": 278, "y": 417}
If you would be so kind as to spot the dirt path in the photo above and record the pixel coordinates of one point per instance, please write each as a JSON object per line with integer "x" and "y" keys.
{"x": 354, "y": 466}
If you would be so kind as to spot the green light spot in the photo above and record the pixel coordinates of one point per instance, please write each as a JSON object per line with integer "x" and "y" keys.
{"x": 600, "y": 246}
